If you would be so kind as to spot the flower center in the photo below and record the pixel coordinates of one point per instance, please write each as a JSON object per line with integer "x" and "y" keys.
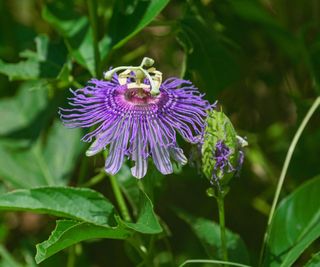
{"x": 139, "y": 96}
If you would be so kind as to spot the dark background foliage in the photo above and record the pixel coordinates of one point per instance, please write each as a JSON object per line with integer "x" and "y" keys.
{"x": 259, "y": 59}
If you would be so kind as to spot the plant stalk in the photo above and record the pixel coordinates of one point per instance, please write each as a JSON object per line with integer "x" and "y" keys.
{"x": 220, "y": 201}
{"x": 93, "y": 18}
{"x": 284, "y": 170}
{"x": 71, "y": 257}
{"x": 120, "y": 200}
{"x": 215, "y": 262}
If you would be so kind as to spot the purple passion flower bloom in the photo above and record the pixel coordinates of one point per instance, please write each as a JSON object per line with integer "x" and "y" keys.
{"x": 137, "y": 116}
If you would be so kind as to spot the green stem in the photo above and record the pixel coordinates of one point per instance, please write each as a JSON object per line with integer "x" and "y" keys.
{"x": 71, "y": 257}
{"x": 214, "y": 262}
{"x": 120, "y": 200}
{"x": 93, "y": 17}
{"x": 220, "y": 201}
{"x": 94, "y": 180}
{"x": 291, "y": 149}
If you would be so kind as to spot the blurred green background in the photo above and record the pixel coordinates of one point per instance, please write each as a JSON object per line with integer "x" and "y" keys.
{"x": 259, "y": 59}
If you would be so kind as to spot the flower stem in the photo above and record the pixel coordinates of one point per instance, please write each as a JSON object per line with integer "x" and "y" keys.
{"x": 93, "y": 18}
{"x": 215, "y": 262}
{"x": 120, "y": 200}
{"x": 291, "y": 149}
{"x": 94, "y": 180}
{"x": 220, "y": 201}
{"x": 71, "y": 257}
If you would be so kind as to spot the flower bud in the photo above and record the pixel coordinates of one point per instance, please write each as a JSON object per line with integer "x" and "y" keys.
{"x": 222, "y": 154}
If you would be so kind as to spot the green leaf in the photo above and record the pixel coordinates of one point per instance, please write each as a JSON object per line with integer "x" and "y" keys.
{"x": 68, "y": 24}
{"x": 75, "y": 29}
{"x": 130, "y": 186}
{"x": 210, "y": 63}
{"x": 295, "y": 226}
{"x": 314, "y": 261}
{"x": 81, "y": 204}
{"x": 147, "y": 222}
{"x": 208, "y": 232}
{"x": 23, "y": 70}
{"x": 44, "y": 163}
{"x": 127, "y": 22}
{"x": 19, "y": 111}
{"x": 46, "y": 62}
{"x": 69, "y": 232}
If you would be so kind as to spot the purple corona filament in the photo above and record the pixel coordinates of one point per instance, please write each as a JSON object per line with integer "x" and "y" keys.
{"x": 221, "y": 156}
{"x": 222, "y": 165}
{"x": 133, "y": 123}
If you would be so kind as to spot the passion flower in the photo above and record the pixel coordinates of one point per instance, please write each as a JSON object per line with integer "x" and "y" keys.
{"x": 137, "y": 116}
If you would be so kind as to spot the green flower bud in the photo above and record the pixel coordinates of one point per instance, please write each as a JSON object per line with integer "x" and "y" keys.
{"x": 222, "y": 154}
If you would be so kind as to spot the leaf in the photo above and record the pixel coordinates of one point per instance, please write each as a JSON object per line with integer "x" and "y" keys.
{"x": 314, "y": 261}
{"x": 81, "y": 204}
{"x": 209, "y": 62}
{"x": 75, "y": 28}
{"x": 68, "y": 24}
{"x": 147, "y": 222}
{"x": 19, "y": 111}
{"x": 296, "y": 224}
{"x": 208, "y": 232}
{"x": 48, "y": 163}
{"x": 130, "y": 185}
{"x": 127, "y": 22}
{"x": 46, "y": 62}
{"x": 23, "y": 70}
{"x": 61, "y": 151}
{"x": 69, "y": 232}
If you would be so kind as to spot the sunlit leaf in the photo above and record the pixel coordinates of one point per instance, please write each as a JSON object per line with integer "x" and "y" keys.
{"x": 147, "y": 222}
{"x": 24, "y": 70}
{"x": 81, "y": 204}
{"x": 295, "y": 226}
{"x": 46, "y": 62}
{"x": 69, "y": 232}
{"x": 127, "y": 22}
